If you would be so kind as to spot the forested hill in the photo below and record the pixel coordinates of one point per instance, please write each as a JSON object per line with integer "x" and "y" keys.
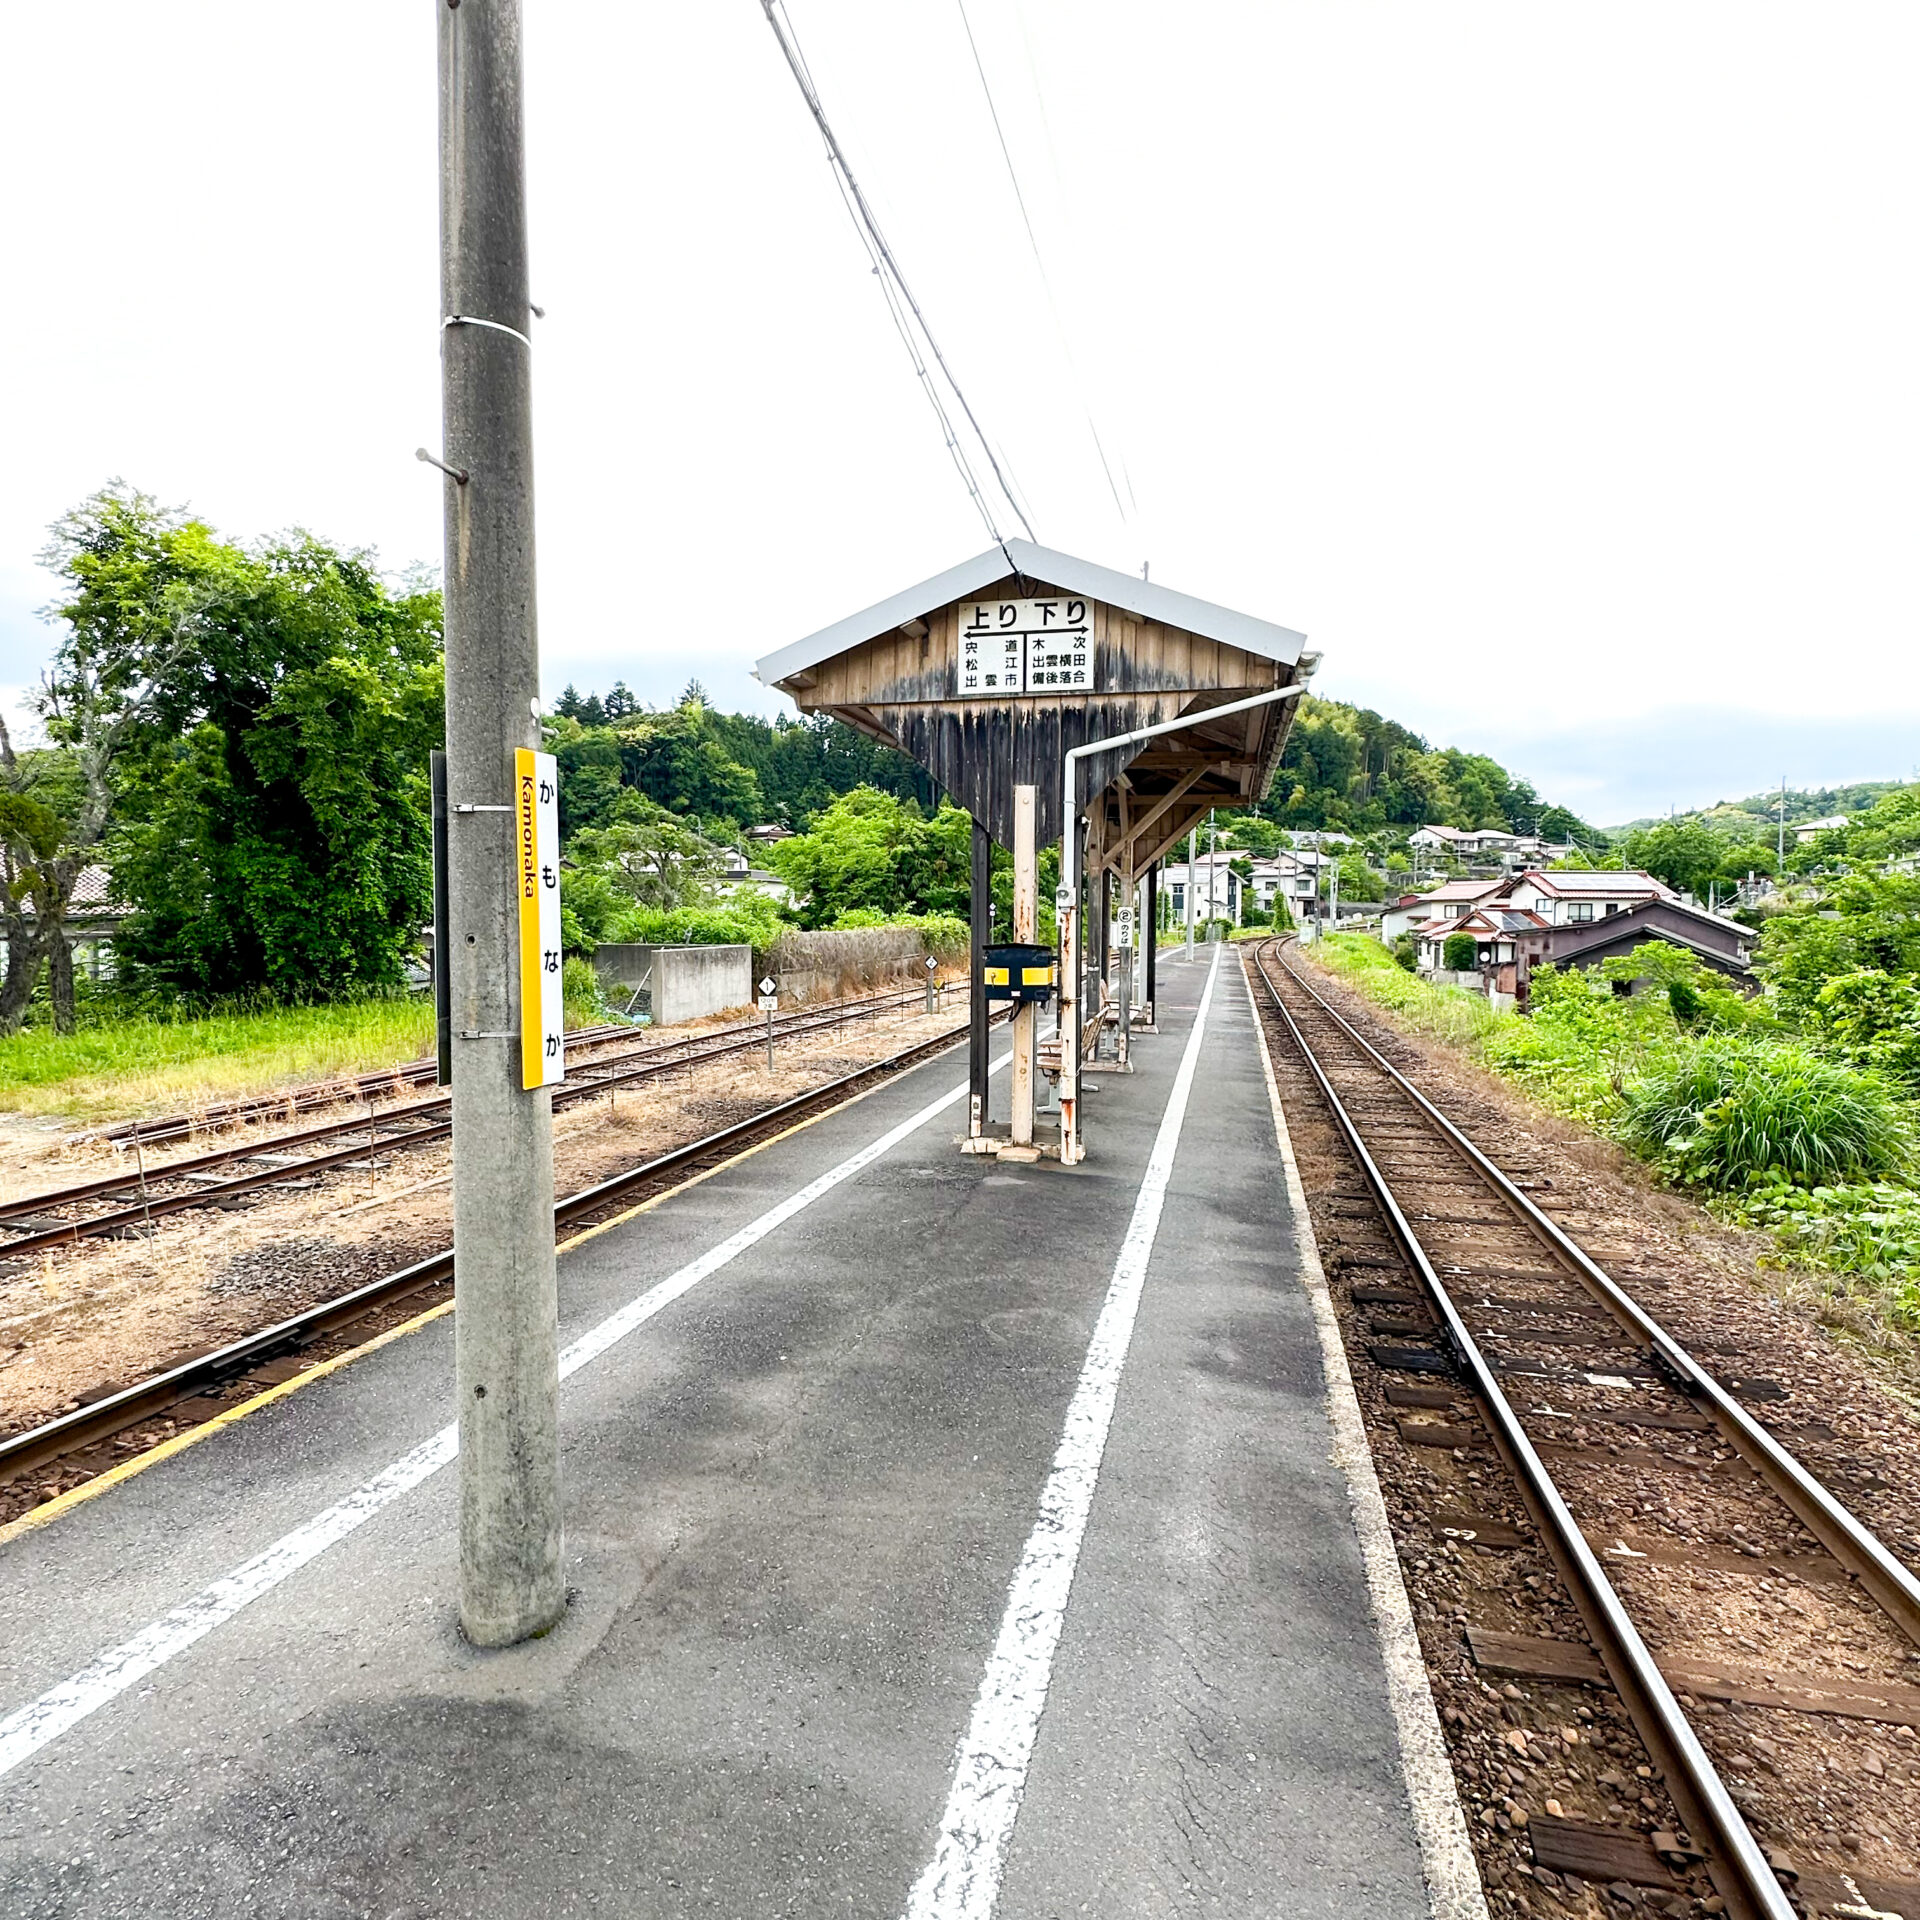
{"x": 1743, "y": 818}
{"x": 1344, "y": 767}
{"x": 1347, "y": 767}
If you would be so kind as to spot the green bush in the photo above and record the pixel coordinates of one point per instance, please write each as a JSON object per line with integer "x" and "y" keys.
{"x": 948, "y": 937}
{"x": 1731, "y": 1113}
{"x": 586, "y": 1004}
{"x": 1871, "y": 1018}
{"x": 745, "y": 920}
{"x": 1406, "y": 953}
{"x": 1461, "y": 954}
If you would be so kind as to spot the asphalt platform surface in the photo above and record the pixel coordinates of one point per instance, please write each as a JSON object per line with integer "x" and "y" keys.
{"x": 795, "y": 1500}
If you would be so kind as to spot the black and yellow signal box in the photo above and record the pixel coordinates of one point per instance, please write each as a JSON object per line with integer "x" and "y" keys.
{"x": 1022, "y": 973}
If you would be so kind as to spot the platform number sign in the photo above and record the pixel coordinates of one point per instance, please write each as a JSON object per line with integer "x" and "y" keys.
{"x": 1123, "y": 927}
{"x": 1026, "y": 646}
{"x": 536, "y": 846}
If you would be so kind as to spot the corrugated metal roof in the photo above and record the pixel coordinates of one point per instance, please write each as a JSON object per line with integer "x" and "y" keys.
{"x": 1044, "y": 565}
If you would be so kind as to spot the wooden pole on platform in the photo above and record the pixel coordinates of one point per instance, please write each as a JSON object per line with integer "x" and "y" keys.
{"x": 1026, "y": 928}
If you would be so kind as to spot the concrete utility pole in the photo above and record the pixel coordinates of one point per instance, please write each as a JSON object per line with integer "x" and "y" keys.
{"x": 505, "y": 1338}
{"x": 1213, "y": 870}
{"x": 1193, "y": 878}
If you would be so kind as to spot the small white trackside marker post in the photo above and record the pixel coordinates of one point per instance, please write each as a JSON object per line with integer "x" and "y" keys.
{"x": 769, "y": 1000}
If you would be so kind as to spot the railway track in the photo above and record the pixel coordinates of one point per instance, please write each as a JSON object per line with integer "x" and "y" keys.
{"x": 1499, "y": 1343}
{"x": 126, "y": 1202}
{"x": 78, "y": 1443}
{"x": 385, "y": 1083}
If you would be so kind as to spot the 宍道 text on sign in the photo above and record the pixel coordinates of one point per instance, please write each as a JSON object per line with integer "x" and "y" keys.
{"x": 1026, "y": 646}
{"x": 536, "y": 844}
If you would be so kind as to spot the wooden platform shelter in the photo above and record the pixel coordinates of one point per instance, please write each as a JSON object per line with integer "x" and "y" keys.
{"x": 988, "y": 674}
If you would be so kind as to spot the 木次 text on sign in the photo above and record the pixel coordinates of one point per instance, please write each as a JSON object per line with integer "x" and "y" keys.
{"x": 1026, "y": 646}
{"x": 536, "y": 846}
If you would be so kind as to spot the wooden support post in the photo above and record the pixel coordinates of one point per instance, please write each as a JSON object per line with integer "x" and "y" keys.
{"x": 1026, "y": 927}
{"x": 980, "y": 910}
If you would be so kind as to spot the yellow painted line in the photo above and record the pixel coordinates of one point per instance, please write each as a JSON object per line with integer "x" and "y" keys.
{"x": 51, "y": 1510}
{"x": 90, "y": 1489}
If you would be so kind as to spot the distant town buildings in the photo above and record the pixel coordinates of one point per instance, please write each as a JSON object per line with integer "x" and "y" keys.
{"x": 1567, "y": 918}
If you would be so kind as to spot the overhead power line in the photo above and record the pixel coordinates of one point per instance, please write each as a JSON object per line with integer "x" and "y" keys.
{"x": 909, "y": 320}
{"x": 1033, "y": 241}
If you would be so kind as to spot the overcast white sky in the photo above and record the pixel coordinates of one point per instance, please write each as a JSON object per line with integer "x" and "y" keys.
{"x": 1552, "y": 367}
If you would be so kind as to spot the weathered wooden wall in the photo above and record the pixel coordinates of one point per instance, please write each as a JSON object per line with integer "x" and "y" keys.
{"x": 903, "y": 688}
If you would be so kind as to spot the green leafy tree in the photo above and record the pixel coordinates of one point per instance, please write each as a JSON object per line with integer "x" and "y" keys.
{"x": 873, "y": 851}
{"x": 1888, "y": 829}
{"x": 1459, "y": 954}
{"x": 273, "y": 831}
{"x": 139, "y": 580}
{"x": 1873, "y": 924}
{"x": 1685, "y": 854}
{"x": 648, "y": 856}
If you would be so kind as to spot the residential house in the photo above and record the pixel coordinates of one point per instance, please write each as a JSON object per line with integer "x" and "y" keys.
{"x": 1579, "y": 920}
{"x": 739, "y": 875}
{"x": 1214, "y": 885}
{"x": 1442, "y": 902}
{"x": 1487, "y": 844}
{"x": 1461, "y": 843}
{"x": 1723, "y": 944}
{"x": 1496, "y": 930}
{"x": 1292, "y": 877}
{"x": 1573, "y": 898}
{"x": 93, "y": 919}
{"x": 1809, "y": 830}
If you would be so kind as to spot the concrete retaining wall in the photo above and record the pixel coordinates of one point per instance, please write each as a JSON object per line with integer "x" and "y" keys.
{"x": 675, "y": 984}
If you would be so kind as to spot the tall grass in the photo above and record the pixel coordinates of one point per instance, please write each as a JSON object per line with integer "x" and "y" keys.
{"x": 146, "y": 1064}
{"x": 1729, "y": 1113}
{"x": 1451, "y": 1014}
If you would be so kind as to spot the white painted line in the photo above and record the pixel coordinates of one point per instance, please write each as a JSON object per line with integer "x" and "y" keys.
{"x": 962, "y": 1881}
{"x": 1439, "y": 1824}
{"x": 32, "y": 1727}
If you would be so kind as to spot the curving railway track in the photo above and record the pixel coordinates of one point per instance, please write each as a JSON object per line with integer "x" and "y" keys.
{"x": 1495, "y": 1347}
{"x": 120, "y": 1421}
{"x": 127, "y": 1201}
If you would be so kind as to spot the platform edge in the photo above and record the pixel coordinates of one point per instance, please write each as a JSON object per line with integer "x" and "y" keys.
{"x": 1454, "y": 1890}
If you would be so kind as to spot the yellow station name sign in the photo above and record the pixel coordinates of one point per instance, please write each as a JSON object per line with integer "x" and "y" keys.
{"x": 536, "y": 842}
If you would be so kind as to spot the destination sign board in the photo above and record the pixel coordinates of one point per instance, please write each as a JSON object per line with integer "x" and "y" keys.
{"x": 1026, "y": 646}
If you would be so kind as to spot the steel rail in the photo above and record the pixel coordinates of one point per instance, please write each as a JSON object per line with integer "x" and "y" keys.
{"x": 1699, "y": 1792}
{"x": 405, "y": 1074}
{"x": 697, "y": 1049}
{"x": 1892, "y": 1584}
{"x": 315, "y": 1093}
{"x": 100, "y": 1419}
